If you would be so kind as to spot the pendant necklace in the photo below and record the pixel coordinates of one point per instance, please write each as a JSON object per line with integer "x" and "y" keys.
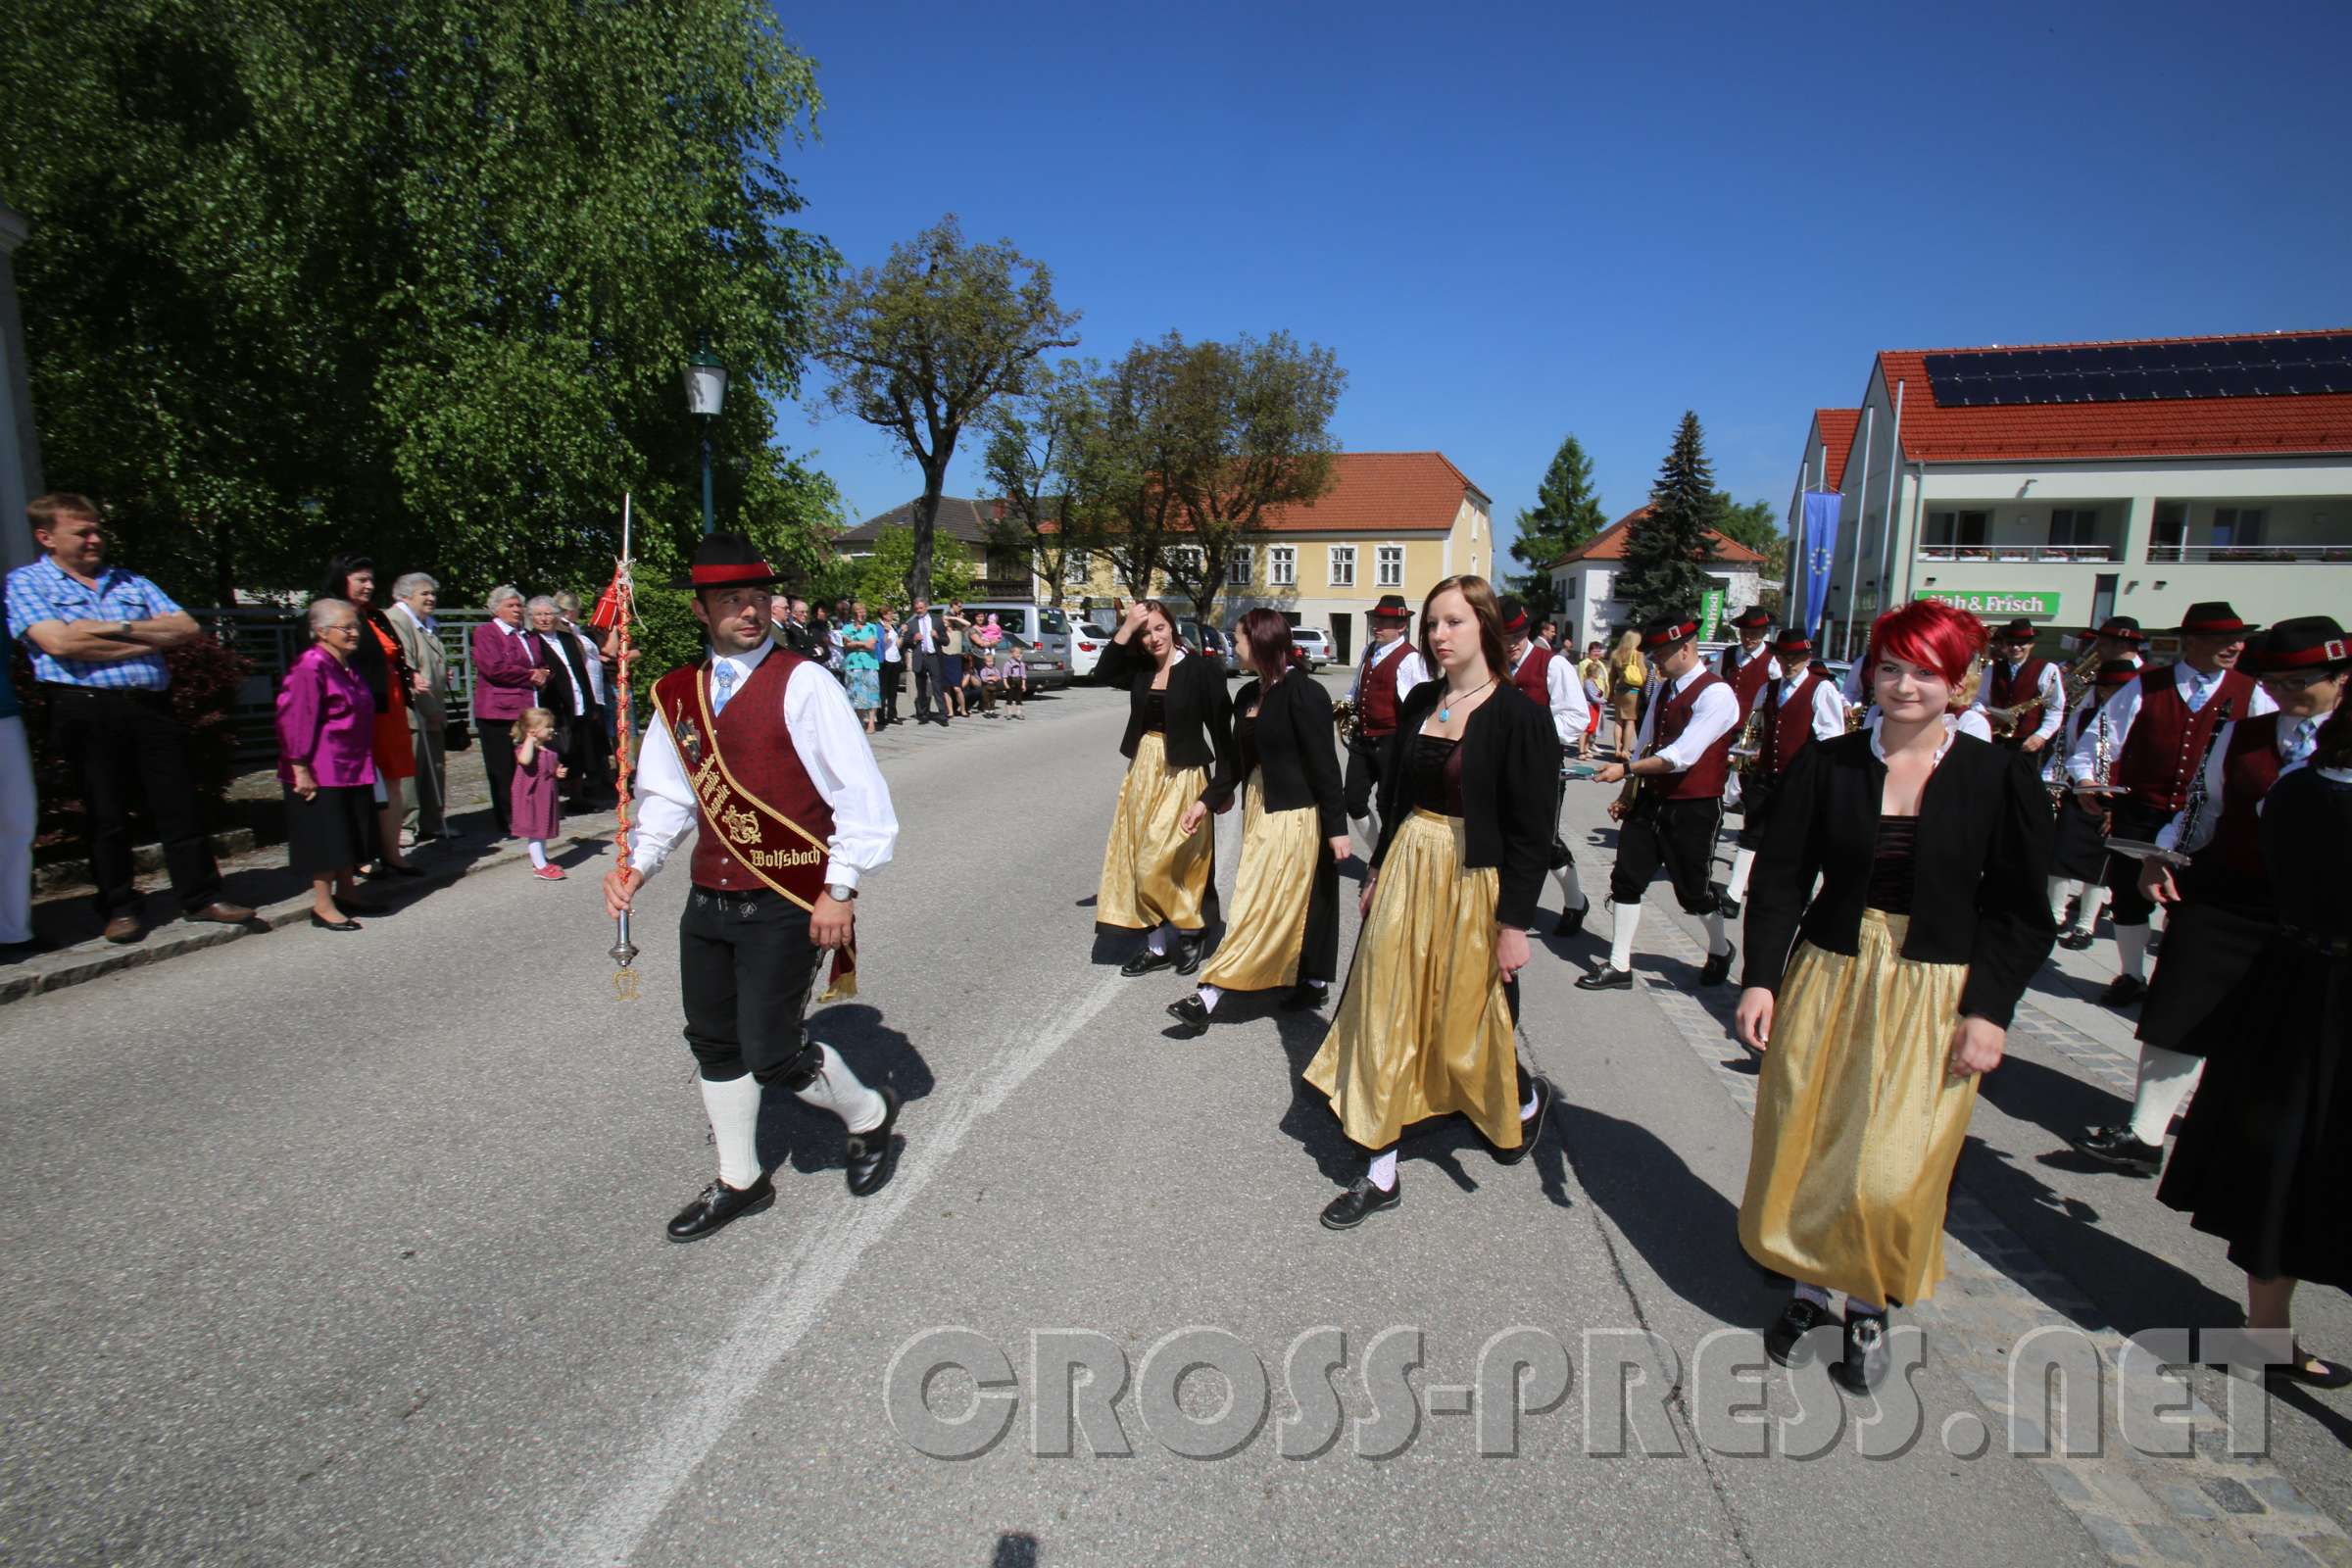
{"x": 1446, "y": 712}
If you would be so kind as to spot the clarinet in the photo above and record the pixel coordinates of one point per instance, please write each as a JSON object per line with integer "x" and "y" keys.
{"x": 2193, "y": 811}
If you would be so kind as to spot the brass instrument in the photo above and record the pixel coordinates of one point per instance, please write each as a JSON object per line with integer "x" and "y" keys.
{"x": 2073, "y": 679}
{"x": 1344, "y": 714}
{"x": 1856, "y": 713}
{"x": 1749, "y": 746}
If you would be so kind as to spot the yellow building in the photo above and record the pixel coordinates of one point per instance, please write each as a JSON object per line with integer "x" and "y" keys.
{"x": 1390, "y": 522}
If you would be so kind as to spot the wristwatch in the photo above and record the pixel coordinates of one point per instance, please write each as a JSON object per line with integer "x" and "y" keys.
{"x": 123, "y": 631}
{"x": 840, "y": 892}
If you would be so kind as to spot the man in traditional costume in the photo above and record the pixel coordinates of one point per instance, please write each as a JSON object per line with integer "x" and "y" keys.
{"x": 2027, "y": 692}
{"x": 1799, "y": 706}
{"x": 1391, "y": 667}
{"x": 1549, "y": 681}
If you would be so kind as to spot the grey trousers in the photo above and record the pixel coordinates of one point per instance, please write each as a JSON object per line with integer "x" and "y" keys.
{"x": 429, "y": 789}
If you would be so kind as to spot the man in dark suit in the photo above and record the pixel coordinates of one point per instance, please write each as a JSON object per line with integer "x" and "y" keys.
{"x": 925, "y": 643}
{"x": 565, "y": 694}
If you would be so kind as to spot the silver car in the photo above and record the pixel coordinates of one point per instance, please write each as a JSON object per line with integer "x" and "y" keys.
{"x": 1315, "y": 643}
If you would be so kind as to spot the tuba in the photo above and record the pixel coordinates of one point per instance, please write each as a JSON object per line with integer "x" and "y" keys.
{"x": 1344, "y": 714}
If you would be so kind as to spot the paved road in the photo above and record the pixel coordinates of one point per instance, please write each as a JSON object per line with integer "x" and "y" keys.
{"x": 326, "y": 1248}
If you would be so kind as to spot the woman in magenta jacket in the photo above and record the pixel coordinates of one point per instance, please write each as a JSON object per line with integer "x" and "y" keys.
{"x": 507, "y": 678}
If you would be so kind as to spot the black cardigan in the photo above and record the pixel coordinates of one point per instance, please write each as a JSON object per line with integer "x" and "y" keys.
{"x": 1200, "y": 711}
{"x": 1294, "y": 745}
{"x": 1510, "y": 770}
{"x": 1981, "y": 896}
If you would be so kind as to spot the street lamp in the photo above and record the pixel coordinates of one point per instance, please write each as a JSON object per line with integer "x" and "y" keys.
{"x": 706, "y": 394}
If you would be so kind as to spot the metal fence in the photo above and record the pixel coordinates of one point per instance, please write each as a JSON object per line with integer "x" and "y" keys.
{"x": 273, "y": 639}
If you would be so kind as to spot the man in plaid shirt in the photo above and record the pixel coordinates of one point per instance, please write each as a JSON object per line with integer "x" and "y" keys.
{"x": 97, "y": 637}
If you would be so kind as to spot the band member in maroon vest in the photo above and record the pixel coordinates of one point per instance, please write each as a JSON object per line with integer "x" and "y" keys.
{"x": 1681, "y": 761}
{"x": 2017, "y": 679}
{"x": 2160, "y": 727}
{"x": 757, "y": 750}
{"x": 1549, "y": 681}
{"x": 2120, "y": 637}
{"x": 1799, "y": 706}
{"x": 1391, "y": 667}
{"x": 2079, "y": 863}
{"x": 1747, "y": 663}
{"x": 2221, "y": 907}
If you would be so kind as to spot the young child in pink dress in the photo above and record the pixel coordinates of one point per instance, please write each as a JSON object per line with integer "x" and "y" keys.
{"x": 531, "y": 800}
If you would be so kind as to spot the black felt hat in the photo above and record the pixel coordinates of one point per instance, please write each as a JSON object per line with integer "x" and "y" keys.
{"x": 2213, "y": 617}
{"x": 727, "y": 560}
{"x": 1392, "y": 607}
{"x": 1666, "y": 633}
{"x": 1755, "y": 617}
{"x": 2302, "y": 642}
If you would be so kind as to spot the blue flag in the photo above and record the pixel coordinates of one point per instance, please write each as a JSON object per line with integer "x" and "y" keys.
{"x": 1821, "y": 550}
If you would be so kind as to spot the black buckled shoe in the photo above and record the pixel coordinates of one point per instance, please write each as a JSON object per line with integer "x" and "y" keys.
{"x": 1785, "y": 1340}
{"x": 873, "y": 1156}
{"x": 1304, "y": 998}
{"x": 2122, "y": 991}
{"x": 2120, "y": 1148}
{"x": 717, "y": 1206}
{"x": 1606, "y": 978}
{"x": 1863, "y": 1366}
{"x": 1718, "y": 967}
{"x": 1361, "y": 1200}
{"x": 1146, "y": 961}
{"x": 1572, "y": 921}
{"x": 1191, "y": 1013}
{"x": 1188, "y": 954}
{"x": 2076, "y": 941}
{"x": 1531, "y": 1128}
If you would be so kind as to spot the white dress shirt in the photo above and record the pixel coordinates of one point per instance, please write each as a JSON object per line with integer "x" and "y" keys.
{"x": 2051, "y": 686}
{"x": 888, "y": 652}
{"x": 423, "y": 623}
{"x": 922, "y": 633}
{"x": 2296, "y": 741}
{"x": 546, "y": 640}
{"x": 831, "y": 742}
{"x": 592, "y": 657}
{"x": 1714, "y": 713}
{"x": 1570, "y": 712}
{"x": 1410, "y": 675}
{"x": 1829, "y": 708}
{"x": 2124, "y": 707}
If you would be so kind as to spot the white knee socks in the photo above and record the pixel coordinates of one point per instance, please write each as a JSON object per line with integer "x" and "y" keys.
{"x": 538, "y": 848}
{"x": 2061, "y": 890}
{"x": 837, "y": 1090}
{"x": 2132, "y": 942}
{"x": 1626, "y": 918}
{"x": 2095, "y": 899}
{"x": 2165, "y": 1079}
{"x": 1743, "y": 866}
{"x": 1572, "y": 890}
{"x": 1211, "y": 996}
{"x": 1383, "y": 1170}
{"x": 1158, "y": 941}
{"x": 1717, "y": 941}
{"x": 733, "y": 1107}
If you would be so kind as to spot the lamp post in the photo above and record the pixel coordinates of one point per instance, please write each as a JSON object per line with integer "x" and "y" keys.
{"x": 706, "y": 394}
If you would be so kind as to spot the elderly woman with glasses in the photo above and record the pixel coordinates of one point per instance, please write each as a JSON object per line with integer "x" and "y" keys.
{"x": 507, "y": 678}
{"x": 326, "y": 763}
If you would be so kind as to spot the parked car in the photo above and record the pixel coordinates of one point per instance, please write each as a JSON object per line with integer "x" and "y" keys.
{"x": 1208, "y": 641}
{"x": 1041, "y": 624}
{"x": 1088, "y": 639}
{"x": 1049, "y": 671}
{"x": 1315, "y": 643}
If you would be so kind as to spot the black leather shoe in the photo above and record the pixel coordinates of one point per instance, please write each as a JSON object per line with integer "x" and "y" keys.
{"x": 1531, "y": 1128}
{"x": 2120, "y": 1148}
{"x": 1188, "y": 955}
{"x": 1351, "y": 1209}
{"x": 1188, "y": 1011}
{"x": 1718, "y": 967}
{"x": 1785, "y": 1342}
{"x": 1146, "y": 961}
{"x": 1304, "y": 998}
{"x": 324, "y": 924}
{"x": 1728, "y": 905}
{"x": 1863, "y": 1366}
{"x": 2076, "y": 941}
{"x": 1572, "y": 921}
{"x": 2123, "y": 992}
{"x": 719, "y": 1204}
{"x": 1606, "y": 978}
{"x": 873, "y": 1156}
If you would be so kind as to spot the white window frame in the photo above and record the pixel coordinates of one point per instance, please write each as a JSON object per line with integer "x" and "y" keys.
{"x": 1387, "y": 565}
{"x": 1184, "y": 558}
{"x": 1237, "y": 568}
{"x": 1334, "y": 557}
{"x": 1077, "y": 569}
{"x": 1282, "y": 565}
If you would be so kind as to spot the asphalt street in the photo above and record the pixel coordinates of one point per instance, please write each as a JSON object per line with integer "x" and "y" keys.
{"x": 329, "y": 1249}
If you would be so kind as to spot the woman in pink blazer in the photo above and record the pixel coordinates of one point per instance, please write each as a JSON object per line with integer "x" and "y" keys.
{"x": 507, "y": 678}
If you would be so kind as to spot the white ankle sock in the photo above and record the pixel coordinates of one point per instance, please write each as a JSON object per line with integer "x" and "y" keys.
{"x": 1743, "y": 866}
{"x": 1211, "y": 996}
{"x": 538, "y": 848}
{"x": 1383, "y": 1172}
{"x": 1717, "y": 941}
{"x": 1529, "y": 1110}
{"x": 1158, "y": 941}
{"x": 838, "y": 1091}
{"x": 733, "y": 1107}
{"x": 2132, "y": 942}
{"x": 1572, "y": 889}
{"x": 1814, "y": 1294}
{"x": 2061, "y": 890}
{"x": 2165, "y": 1078}
{"x": 2095, "y": 899}
{"x": 1627, "y": 920}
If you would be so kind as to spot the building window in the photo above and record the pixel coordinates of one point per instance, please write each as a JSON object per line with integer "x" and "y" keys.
{"x": 2074, "y": 525}
{"x": 1951, "y": 530}
{"x": 1077, "y": 569}
{"x": 1185, "y": 560}
{"x": 2169, "y": 531}
{"x": 1342, "y": 566}
{"x": 1568, "y": 590}
{"x": 2234, "y": 527}
{"x": 1237, "y": 568}
{"x": 1388, "y": 562}
{"x": 1282, "y": 565}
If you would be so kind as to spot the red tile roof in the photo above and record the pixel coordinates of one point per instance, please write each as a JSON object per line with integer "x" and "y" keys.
{"x": 2305, "y": 422}
{"x": 1391, "y": 492}
{"x": 1837, "y": 428}
{"x": 1610, "y": 545}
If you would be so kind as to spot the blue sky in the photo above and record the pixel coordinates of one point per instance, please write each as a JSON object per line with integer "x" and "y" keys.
{"x": 1513, "y": 221}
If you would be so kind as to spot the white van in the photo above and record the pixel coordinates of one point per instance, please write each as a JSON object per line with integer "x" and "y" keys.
{"x": 1041, "y": 624}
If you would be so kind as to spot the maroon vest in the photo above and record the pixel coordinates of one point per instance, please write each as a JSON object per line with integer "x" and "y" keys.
{"x": 1788, "y": 727}
{"x": 1375, "y": 700}
{"x": 2167, "y": 742}
{"x": 1748, "y": 679}
{"x": 1704, "y": 779}
{"x": 1532, "y": 675}
{"x": 2250, "y": 767}
{"x": 2001, "y": 690}
{"x": 761, "y": 824}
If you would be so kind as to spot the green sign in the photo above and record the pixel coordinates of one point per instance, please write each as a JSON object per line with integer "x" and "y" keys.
{"x": 1711, "y": 615}
{"x": 1998, "y": 604}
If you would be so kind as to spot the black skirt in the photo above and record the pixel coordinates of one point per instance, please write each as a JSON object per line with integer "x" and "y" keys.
{"x": 2081, "y": 851}
{"x": 2265, "y": 1161}
{"x": 2208, "y": 950}
{"x": 332, "y": 831}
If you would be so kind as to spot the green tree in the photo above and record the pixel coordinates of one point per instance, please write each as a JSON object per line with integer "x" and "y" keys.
{"x": 923, "y": 344}
{"x": 1044, "y": 463}
{"x": 1566, "y": 514}
{"x": 410, "y": 275}
{"x": 1666, "y": 547}
{"x": 1134, "y": 449}
{"x": 883, "y": 578}
{"x": 1756, "y": 525}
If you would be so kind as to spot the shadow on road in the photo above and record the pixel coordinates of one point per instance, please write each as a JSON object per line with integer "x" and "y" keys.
{"x": 876, "y": 1053}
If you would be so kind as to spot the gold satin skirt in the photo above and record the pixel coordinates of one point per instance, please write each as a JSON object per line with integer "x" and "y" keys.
{"x": 1423, "y": 1028}
{"x": 1858, "y": 1121}
{"x": 1270, "y": 893}
{"x": 1153, "y": 873}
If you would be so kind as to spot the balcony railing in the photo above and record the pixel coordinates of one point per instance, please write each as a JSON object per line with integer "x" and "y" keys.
{"x": 2219, "y": 554}
{"x": 2051, "y": 553}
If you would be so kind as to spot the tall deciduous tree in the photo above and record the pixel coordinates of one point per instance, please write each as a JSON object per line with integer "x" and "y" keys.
{"x": 1666, "y": 547}
{"x": 410, "y": 275}
{"x": 1757, "y": 526}
{"x": 1566, "y": 514}
{"x": 1044, "y": 464}
{"x": 1135, "y": 446}
{"x": 921, "y": 345}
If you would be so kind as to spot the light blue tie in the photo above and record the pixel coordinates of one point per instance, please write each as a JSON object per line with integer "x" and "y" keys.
{"x": 2300, "y": 740}
{"x": 722, "y": 677}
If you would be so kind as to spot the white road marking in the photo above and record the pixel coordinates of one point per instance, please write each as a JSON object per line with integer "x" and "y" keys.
{"x": 771, "y": 1323}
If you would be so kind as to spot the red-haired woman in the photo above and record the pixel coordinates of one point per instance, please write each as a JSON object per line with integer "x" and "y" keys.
{"x": 1155, "y": 868}
{"x": 1933, "y": 850}
{"x": 1284, "y": 925}
{"x": 1426, "y": 1024}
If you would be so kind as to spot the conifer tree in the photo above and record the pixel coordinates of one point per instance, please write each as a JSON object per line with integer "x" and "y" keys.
{"x": 1666, "y": 547}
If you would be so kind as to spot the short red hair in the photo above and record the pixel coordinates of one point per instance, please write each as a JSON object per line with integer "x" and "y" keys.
{"x": 1931, "y": 634}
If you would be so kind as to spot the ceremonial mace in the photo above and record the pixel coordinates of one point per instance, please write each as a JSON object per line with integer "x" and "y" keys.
{"x": 622, "y": 597}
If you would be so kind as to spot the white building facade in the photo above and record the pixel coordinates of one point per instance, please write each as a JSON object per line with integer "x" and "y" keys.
{"x": 1584, "y": 585}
